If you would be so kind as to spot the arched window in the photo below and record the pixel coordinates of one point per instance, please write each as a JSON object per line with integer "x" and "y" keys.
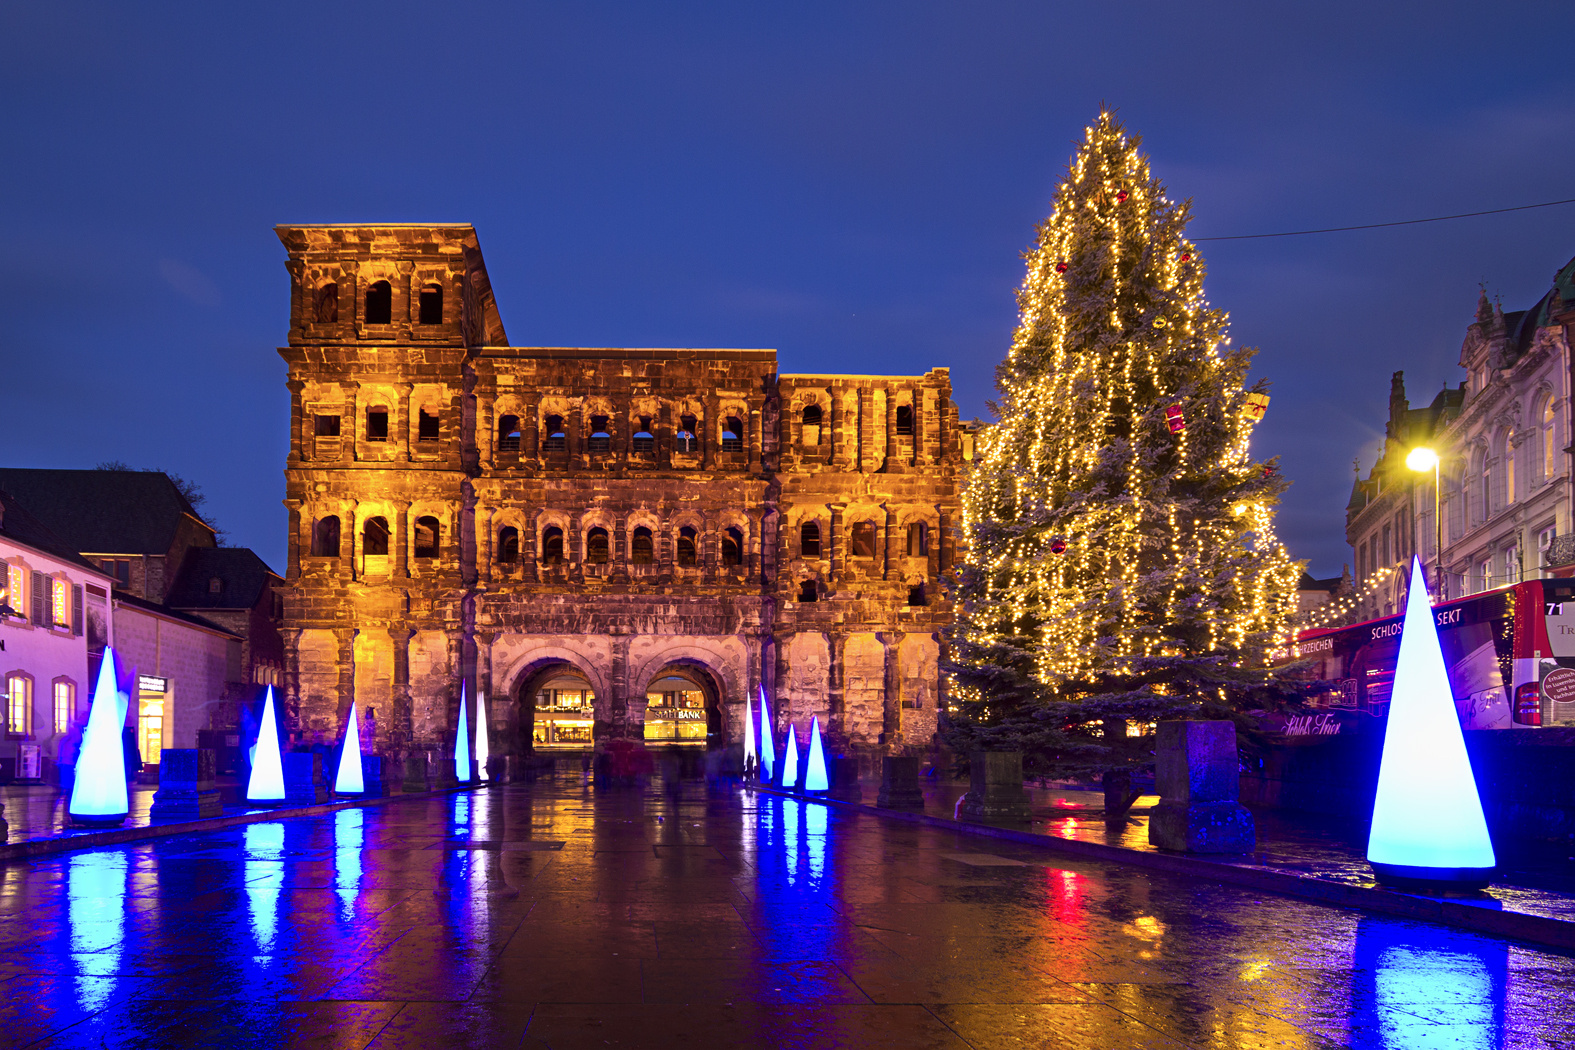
{"x": 811, "y": 419}
{"x": 553, "y": 437}
{"x": 508, "y": 545}
{"x": 916, "y": 595}
{"x": 325, "y": 537}
{"x": 1509, "y": 469}
{"x": 377, "y": 423}
{"x": 863, "y": 539}
{"x": 601, "y": 440}
{"x": 374, "y": 537}
{"x": 905, "y": 420}
{"x": 1485, "y": 495}
{"x": 809, "y": 540}
{"x": 326, "y": 308}
{"x": 509, "y": 434}
{"x": 596, "y": 546}
{"x": 426, "y": 539}
{"x": 918, "y": 540}
{"x": 644, "y": 442}
{"x": 641, "y": 550}
{"x": 379, "y": 303}
{"x": 732, "y": 434}
{"x": 732, "y": 548}
{"x": 685, "y": 440}
{"x": 1550, "y": 441}
{"x": 688, "y": 552}
{"x": 552, "y": 545}
{"x": 427, "y": 424}
{"x": 807, "y": 592}
{"x": 430, "y": 305}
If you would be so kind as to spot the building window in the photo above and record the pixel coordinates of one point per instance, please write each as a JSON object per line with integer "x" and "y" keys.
{"x": 732, "y": 548}
{"x": 1509, "y": 472}
{"x": 508, "y": 545}
{"x": 426, "y": 537}
{"x": 807, "y": 592}
{"x": 374, "y": 538}
{"x": 430, "y": 305}
{"x": 1550, "y": 443}
{"x": 119, "y": 568}
{"x": 1484, "y": 578}
{"x": 509, "y": 434}
{"x": 379, "y": 303}
{"x": 327, "y": 426}
{"x": 1486, "y": 495}
{"x": 918, "y": 540}
{"x": 215, "y": 585}
{"x": 811, "y": 419}
{"x": 1388, "y": 548}
{"x": 327, "y": 305}
{"x": 644, "y": 442}
{"x": 596, "y": 546}
{"x": 733, "y": 434}
{"x": 60, "y": 603}
{"x": 552, "y": 545}
{"x": 600, "y": 440}
{"x": 685, "y": 440}
{"x": 1512, "y": 564}
{"x": 905, "y": 421}
{"x": 15, "y": 593}
{"x": 1545, "y": 540}
{"x": 864, "y": 539}
{"x": 427, "y": 425}
{"x": 555, "y": 440}
{"x": 809, "y": 540}
{"x": 916, "y": 595}
{"x": 641, "y": 550}
{"x": 325, "y": 537}
{"x": 19, "y": 705}
{"x": 65, "y": 702}
{"x": 377, "y": 423}
{"x": 688, "y": 554}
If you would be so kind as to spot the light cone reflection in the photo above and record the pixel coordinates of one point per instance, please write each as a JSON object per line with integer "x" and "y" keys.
{"x": 264, "y": 847}
{"x": 100, "y": 788}
{"x": 815, "y": 778}
{"x": 267, "y": 779}
{"x": 349, "y": 780}
{"x": 96, "y": 917}
{"x": 790, "y": 760}
{"x": 349, "y": 842}
{"x": 1427, "y": 814}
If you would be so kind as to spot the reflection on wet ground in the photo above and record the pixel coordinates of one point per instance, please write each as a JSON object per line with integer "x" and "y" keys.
{"x": 550, "y": 915}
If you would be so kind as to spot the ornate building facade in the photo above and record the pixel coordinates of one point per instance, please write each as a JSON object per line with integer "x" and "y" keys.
{"x": 606, "y": 543}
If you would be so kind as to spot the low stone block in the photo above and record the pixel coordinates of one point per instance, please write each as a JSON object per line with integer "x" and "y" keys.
{"x": 375, "y": 776}
{"x": 845, "y": 786}
{"x": 303, "y": 779}
{"x": 899, "y": 783}
{"x": 440, "y": 771}
{"x": 996, "y": 793}
{"x": 416, "y": 772}
{"x": 501, "y": 769}
{"x": 188, "y": 788}
{"x": 1202, "y": 827}
{"x": 1197, "y": 773}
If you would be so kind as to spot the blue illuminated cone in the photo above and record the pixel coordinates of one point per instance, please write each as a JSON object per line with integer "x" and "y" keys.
{"x": 483, "y": 745}
{"x": 790, "y": 760}
{"x": 267, "y": 779}
{"x": 815, "y": 778}
{"x": 99, "y": 794}
{"x": 350, "y": 780}
{"x": 768, "y": 750}
{"x": 750, "y": 757}
{"x": 1427, "y": 817}
{"x": 462, "y": 742}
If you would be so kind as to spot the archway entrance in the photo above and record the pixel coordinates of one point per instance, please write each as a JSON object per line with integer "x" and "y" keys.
{"x": 682, "y": 709}
{"x": 557, "y": 708}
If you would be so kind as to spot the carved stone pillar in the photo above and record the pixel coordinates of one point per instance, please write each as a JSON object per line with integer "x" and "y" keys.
{"x": 625, "y": 721}
{"x": 711, "y": 554}
{"x": 837, "y": 687}
{"x": 574, "y": 436}
{"x": 576, "y": 552}
{"x": 292, "y": 678}
{"x": 664, "y": 437}
{"x": 890, "y": 545}
{"x": 757, "y": 544}
{"x": 921, "y": 457}
{"x": 840, "y": 456}
{"x": 349, "y": 538}
{"x": 486, "y": 542}
{"x": 708, "y": 433}
{"x": 834, "y": 543}
{"x": 619, "y": 556}
{"x": 401, "y": 721}
{"x": 891, "y": 693}
{"x": 944, "y": 540}
{"x": 399, "y": 539}
{"x": 868, "y": 461}
{"x": 530, "y": 434}
{"x": 345, "y": 636}
{"x": 298, "y": 537}
{"x": 753, "y": 422}
{"x": 891, "y": 462}
{"x": 530, "y": 564}
{"x": 303, "y": 429}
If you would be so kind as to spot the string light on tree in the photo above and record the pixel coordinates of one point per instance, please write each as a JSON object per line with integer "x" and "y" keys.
{"x": 1121, "y": 563}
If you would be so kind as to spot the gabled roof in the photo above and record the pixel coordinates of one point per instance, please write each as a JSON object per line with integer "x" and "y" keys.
{"x": 19, "y": 526}
{"x": 102, "y": 511}
{"x": 243, "y": 578}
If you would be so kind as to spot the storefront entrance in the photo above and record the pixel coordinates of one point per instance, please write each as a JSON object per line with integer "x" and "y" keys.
{"x": 680, "y": 709}
{"x": 562, "y": 710}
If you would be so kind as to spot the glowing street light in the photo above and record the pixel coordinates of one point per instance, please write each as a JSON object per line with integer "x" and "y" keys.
{"x": 1423, "y": 459}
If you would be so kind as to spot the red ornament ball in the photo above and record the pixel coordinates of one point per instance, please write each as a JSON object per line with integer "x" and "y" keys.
{"x": 1060, "y": 267}
{"x": 1186, "y": 256}
{"x": 1057, "y": 546}
{"x": 1121, "y": 195}
{"x": 1268, "y": 470}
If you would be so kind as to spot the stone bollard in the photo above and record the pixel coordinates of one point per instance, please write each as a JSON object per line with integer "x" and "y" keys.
{"x": 416, "y": 773}
{"x": 440, "y": 770}
{"x": 500, "y": 769}
{"x": 374, "y": 776}
{"x": 899, "y": 783}
{"x": 995, "y": 790}
{"x": 1198, "y": 777}
{"x": 187, "y": 785}
{"x": 303, "y": 779}
{"x": 845, "y": 786}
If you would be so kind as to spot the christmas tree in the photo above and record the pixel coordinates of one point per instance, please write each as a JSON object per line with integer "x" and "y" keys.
{"x": 1121, "y": 564}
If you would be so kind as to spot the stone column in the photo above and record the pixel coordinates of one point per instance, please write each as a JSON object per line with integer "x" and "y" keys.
{"x": 837, "y": 686}
{"x": 399, "y": 539}
{"x": 530, "y": 433}
{"x": 891, "y": 693}
{"x": 868, "y": 462}
{"x": 530, "y": 555}
{"x": 943, "y": 540}
{"x": 840, "y": 457}
{"x": 620, "y": 430}
{"x": 753, "y": 421}
{"x": 707, "y": 434}
{"x": 664, "y": 436}
{"x": 292, "y": 567}
{"x": 619, "y": 555}
{"x": 756, "y": 542}
{"x": 302, "y": 430}
{"x": 401, "y": 721}
{"x": 574, "y": 435}
{"x": 665, "y": 540}
{"x": 404, "y": 415}
{"x": 349, "y": 538}
{"x": 891, "y": 459}
{"x": 621, "y": 703}
{"x": 486, "y": 542}
{"x": 345, "y": 636}
{"x": 833, "y": 547}
{"x": 921, "y": 452}
{"x": 484, "y": 640}
{"x": 890, "y": 559}
{"x": 575, "y": 554}
{"x": 292, "y": 677}
{"x": 711, "y": 554}
{"x": 782, "y": 670}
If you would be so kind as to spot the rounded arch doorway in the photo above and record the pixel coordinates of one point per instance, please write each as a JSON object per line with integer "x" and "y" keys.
{"x": 559, "y": 705}
{"x": 682, "y": 709}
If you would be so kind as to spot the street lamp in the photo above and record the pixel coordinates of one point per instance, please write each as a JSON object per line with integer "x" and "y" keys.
{"x": 1422, "y": 459}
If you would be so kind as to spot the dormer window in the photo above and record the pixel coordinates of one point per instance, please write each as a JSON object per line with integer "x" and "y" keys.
{"x": 379, "y": 303}
{"x": 430, "y": 305}
{"x": 215, "y": 585}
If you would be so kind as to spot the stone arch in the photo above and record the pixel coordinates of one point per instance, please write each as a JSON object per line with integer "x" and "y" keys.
{"x": 710, "y": 668}
{"x": 539, "y": 665}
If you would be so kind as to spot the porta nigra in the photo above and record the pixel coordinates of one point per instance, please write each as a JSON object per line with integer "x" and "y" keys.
{"x": 606, "y": 543}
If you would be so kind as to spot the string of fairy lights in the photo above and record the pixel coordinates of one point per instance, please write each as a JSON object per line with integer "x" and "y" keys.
{"x": 1085, "y": 542}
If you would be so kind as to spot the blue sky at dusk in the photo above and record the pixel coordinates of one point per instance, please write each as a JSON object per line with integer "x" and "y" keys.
{"x": 850, "y": 183}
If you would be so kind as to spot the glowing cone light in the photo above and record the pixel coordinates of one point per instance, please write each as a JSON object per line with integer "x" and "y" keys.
{"x": 462, "y": 742}
{"x": 483, "y": 745}
{"x": 815, "y": 778}
{"x": 790, "y": 760}
{"x": 99, "y": 794}
{"x": 349, "y": 780}
{"x": 267, "y": 780}
{"x": 750, "y": 757}
{"x": 768, "y": 750}
{"x": 1427, "y": 817}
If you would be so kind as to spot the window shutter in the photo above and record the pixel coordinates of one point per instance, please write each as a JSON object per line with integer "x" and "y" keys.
{"x": 76, "y": 610}
{"x": 40, "y": 600}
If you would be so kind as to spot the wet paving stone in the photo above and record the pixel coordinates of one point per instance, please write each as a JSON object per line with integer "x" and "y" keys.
{"x": 712, "y": 918}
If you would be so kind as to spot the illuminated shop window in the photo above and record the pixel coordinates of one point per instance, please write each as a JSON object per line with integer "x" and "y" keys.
{"x": 675, "y": 712}
{"x": 16, "y": 589}
{"x": 60, "y": 602}
{"x": 565, "y": 713}
{"x": 19, "y": 705}
{"x": 65, "y": 701}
